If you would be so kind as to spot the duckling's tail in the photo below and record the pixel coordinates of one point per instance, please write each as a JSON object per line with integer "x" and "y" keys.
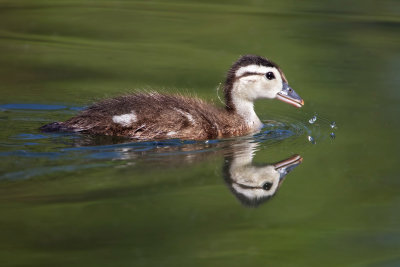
{"x": 53, "y": 127}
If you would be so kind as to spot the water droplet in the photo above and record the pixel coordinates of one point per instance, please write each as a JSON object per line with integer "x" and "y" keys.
{"x": 333, "y": 125}
{"x": 332, "y": 135}
{"x": 311, "y": 139}
{"x": 313, "y": 119}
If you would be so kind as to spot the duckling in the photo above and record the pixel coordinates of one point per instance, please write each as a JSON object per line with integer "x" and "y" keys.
{"x": 253, "y": 185}
{"x": 151, "y": 116}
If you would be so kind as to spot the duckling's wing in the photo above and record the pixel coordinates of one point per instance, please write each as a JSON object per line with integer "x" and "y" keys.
{"x": 146, "y": 116}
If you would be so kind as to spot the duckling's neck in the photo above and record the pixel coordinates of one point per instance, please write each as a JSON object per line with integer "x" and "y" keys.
{"x": 245, "y": 108}
{"x": 243, "y": 154}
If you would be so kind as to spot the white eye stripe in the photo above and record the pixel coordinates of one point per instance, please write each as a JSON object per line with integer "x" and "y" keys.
{"x": 251, "y": 68}
{"x": 256, "y": 69}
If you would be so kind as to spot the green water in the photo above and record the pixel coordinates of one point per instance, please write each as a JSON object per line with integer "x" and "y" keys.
{"x": 69, "y": 200}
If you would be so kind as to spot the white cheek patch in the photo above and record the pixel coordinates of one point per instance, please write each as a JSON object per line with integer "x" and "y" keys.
{"x": 125, "y": 119}
{"x": 252, "y": 69}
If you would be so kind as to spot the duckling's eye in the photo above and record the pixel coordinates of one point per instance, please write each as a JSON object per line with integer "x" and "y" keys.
{"x": 270, "y": 75}
{"x": 267, "y": 186}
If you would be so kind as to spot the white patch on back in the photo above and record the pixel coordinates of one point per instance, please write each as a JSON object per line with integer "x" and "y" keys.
{"x": 171, "y": 133}
{"x": 190, "y": 118}
{"x": 125, "y": 120}
{"x": 259, "y": 69}
{"x": 187, "y": 115}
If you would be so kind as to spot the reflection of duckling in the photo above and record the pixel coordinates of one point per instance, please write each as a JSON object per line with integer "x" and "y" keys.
{"x": 146, "y": 116}
{"x": 253, "y": 185}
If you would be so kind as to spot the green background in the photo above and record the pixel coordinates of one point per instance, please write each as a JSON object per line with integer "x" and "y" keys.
{"x": 66, "y": 205}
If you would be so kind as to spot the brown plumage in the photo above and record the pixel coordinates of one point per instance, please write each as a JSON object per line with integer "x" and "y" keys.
{"x": 158, "y": 116}
{"x": 149, "y": 116}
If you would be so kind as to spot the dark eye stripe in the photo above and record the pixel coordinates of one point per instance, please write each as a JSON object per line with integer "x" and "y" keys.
{"x": 248, "y": 74}
{"x": 251, "y": 187}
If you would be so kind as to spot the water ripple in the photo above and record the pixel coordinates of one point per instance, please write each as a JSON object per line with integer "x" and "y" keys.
{"x": 68, "y": 151}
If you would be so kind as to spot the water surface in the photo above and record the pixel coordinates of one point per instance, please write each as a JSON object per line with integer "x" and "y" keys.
{"x": 78, "y": 200}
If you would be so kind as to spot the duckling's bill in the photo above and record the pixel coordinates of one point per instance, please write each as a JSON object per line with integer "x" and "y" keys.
{"x": 286, "y": 166}
{"x": 289, "y": 96}
{"x": 289, "y": 162}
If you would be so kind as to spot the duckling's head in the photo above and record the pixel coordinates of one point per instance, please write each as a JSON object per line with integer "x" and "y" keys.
{"x": 252, "y": 77}
{"x": 254, "y": 185}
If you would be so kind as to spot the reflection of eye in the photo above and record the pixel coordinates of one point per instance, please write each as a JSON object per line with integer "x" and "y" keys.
{"x": 267, "y": 186}
{"x": 270, "y": 75}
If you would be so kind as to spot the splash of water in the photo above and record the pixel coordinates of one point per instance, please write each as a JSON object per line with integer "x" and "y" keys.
{"x": 313, "y": 119}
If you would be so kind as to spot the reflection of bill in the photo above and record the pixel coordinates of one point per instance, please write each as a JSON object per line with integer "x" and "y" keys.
{"x": 253, "y": 185}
